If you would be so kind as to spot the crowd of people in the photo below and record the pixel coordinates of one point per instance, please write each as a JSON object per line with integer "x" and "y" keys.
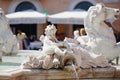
{"x": 28, "y": 43}
{"x": 78, "y": 33}
{"x": 31, "y": 42}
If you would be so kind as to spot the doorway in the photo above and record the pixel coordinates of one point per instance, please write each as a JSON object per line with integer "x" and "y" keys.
{"x": 29, "y": 29}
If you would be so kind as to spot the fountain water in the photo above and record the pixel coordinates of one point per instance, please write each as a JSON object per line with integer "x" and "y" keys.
{"x": 76, "y": 74}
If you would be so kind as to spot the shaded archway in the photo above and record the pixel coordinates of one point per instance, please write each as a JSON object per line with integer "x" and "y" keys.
{"x": 25, "y": 5}
{"x": 29, "y": 29}
{"x": 15, "y": 3}
{"x": 84, "y": 5}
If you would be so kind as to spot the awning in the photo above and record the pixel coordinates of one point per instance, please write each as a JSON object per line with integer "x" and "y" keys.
{"x": 26, "y": 17}
{"x": 68, "y": 17}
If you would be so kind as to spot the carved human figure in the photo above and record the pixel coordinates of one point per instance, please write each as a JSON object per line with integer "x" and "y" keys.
{"x": 51, "y": 46}
{"x": 54, "y": 53}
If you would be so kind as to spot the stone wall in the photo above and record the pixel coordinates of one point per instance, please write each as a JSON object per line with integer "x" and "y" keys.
{"x": 110, "y": 73}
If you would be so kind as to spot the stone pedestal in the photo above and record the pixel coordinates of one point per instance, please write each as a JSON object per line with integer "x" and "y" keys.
{"x": 110, "y": 73}
{"x": 13, "y": 71}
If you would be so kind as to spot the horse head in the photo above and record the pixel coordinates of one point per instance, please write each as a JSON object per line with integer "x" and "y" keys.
{"x": 101, "y": 13}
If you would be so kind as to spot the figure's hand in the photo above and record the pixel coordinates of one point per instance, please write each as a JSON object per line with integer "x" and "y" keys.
{"x": 62, "y": 45}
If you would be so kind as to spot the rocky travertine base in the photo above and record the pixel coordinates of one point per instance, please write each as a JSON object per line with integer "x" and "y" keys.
{"x": 109, "y": 73}
{"x": 13, "y": 72}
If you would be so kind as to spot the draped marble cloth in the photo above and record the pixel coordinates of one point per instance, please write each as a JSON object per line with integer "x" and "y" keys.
{"x": 24, "y": 17}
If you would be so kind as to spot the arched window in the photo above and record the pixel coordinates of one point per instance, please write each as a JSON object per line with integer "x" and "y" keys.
{"x": 25, "y": 6}
{"x": 29, "y": 29}
{"x": 84, "y": 5}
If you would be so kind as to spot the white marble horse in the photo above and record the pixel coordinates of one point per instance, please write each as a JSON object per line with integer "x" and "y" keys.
{"x": 101, "y": 39}
{"x": 99, "y": 45}
{"x": 8, "y": 41}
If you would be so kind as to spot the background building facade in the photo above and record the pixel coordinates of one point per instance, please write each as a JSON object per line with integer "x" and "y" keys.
{"x": 50, "y": 7}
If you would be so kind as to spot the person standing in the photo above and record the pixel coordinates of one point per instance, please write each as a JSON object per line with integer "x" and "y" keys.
{"x": 76, "y": 34}
{"x": 20, "y": 36}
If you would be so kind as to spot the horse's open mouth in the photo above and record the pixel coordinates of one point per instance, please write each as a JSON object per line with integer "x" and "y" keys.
{"x": 108, "y": 22}
{"x": 116, "y": 17}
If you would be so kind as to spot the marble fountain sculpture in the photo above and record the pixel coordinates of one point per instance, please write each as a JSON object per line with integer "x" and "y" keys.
{"x": 99, "y": 48}
{"x": 58, "y": 54}
{"x": 85, "y": 58}
{"x": 100, "y": 38}
{"x": 8, "y": 41}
